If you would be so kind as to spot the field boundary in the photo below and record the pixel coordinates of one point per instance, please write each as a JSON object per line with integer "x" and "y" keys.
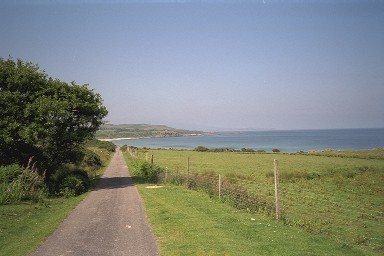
{"x": 347, "y": 222}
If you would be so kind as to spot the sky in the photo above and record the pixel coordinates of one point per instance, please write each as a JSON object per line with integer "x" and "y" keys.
{"x": 211, "y": 65}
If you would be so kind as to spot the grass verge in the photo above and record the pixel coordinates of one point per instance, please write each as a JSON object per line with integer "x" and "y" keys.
{"x": 187, "y": 222}
{"x": 24, "y": 226}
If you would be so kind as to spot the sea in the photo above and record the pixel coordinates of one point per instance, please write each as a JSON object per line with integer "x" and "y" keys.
{"x": 285, "y": 141}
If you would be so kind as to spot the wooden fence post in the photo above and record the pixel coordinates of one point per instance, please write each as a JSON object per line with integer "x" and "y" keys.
{"x": 187, "y": 170}
{"x": 277, "y": 195}
{"x": 151, "y": 159}
{"x": 219, "y": 186}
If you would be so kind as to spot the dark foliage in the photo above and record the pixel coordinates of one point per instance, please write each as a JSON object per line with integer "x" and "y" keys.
{"x": 44, "y": 117}
{"x": 69, "y": 182}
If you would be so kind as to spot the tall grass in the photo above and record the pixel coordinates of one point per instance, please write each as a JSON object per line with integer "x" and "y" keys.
{"x": 19, "y": 184}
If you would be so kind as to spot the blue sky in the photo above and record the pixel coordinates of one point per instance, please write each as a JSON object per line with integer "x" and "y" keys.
{"x": 212, "y": 64}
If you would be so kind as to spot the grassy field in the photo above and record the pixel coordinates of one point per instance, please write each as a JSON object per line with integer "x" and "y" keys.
{"x": 338, "y": 196}
{"x": 187, "y": 222}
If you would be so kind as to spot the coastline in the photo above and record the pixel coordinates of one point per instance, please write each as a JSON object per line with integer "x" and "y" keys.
{"x": 285, "y": 141}
{"x": 150, "y": 137}
{"x": 114, "y": 139}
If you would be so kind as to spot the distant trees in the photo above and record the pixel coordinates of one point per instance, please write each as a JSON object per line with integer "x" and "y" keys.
{"x": 44, "y": 118}
{"x": 201, "y": 149}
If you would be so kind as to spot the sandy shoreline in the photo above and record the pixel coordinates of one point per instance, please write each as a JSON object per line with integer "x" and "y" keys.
{"x": 119, "y": 139}
{"x": 135, "y": 138}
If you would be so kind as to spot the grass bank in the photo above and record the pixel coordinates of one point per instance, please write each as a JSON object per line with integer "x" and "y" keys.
{"x": 187, "y": 222}
{"x": 23, "y": 227}
{"x": 337, "y": 196}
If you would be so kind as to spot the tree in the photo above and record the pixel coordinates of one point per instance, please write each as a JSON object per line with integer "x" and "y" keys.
{"x": 44, "y": 118}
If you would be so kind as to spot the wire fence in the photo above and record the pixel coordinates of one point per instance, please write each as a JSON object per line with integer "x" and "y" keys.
{"x": 344, "y": 217}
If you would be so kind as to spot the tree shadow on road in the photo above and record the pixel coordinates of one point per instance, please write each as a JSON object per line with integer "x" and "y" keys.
{"x": 113, "y": 183}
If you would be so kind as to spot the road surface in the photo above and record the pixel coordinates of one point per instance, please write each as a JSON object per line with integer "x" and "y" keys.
{"x": 109, "y": 221}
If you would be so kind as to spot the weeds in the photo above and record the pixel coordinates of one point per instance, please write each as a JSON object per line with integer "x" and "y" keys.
{"x": 19, "y": 184}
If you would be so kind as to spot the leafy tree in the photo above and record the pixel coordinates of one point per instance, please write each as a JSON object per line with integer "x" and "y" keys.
{"x": 44, "y": 118}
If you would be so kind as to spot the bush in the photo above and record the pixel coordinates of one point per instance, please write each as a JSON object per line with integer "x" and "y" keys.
{"x": 221, "y": 150}
{"x": 251, "y": 150}
{"x": 201, "y": 149}
{"x": 69, "y": 182}
{"x": 123, "y": 148}
{"x": 91, "y": 158}
{"x": 146, "y": 170}
{"x": 9, "y": 173}
{"x": 72, "y": 186}
{"x": 275, "y": 150}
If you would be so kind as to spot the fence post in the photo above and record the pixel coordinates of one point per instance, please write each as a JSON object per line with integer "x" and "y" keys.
{"x": 219, "y": 186}
{"x": 151, "y": 159}
{"x": 277, "y": 195}
{"x": 187, "y": 170}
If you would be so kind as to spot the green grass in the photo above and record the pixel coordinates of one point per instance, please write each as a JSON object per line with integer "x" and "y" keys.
{"x": 23, "y": 227}
{"x": 340, "y": 197}
{"x": 187, "y": 222}
{"x": 256, "y": 165}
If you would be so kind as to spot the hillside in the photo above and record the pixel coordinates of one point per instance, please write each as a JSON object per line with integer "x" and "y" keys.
{"x": 114, "y": 131}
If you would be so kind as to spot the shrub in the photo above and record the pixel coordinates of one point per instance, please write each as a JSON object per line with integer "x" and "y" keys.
{"x": 221, "y": 150}
{"x": 146, "y": 170}
{"x": 201, "y": 149}
{"x": 91, "y": 158}
{"x": 72, "y": 186}
{"x": 251, "y": 150}
{"x": 123, "y": 148}
{"x": 275, "y": 150}
{"x": 67, "y": 182}
{"x": 9, "y": 173}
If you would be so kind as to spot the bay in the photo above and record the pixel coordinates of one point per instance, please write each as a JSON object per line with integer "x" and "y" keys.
{"x": 285, "y": 141}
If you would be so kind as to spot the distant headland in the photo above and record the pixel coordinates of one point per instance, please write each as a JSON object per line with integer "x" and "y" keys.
{"x": 110, "y": 132}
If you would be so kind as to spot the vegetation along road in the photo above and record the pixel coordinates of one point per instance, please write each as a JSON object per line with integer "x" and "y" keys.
{"x": 110, "y": 221}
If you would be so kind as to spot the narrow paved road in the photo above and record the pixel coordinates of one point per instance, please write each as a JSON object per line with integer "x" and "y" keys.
{"x": 110, "y": 221}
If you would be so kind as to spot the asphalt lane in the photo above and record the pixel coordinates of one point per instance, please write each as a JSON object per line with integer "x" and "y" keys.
{"x": 109, "y": 221}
